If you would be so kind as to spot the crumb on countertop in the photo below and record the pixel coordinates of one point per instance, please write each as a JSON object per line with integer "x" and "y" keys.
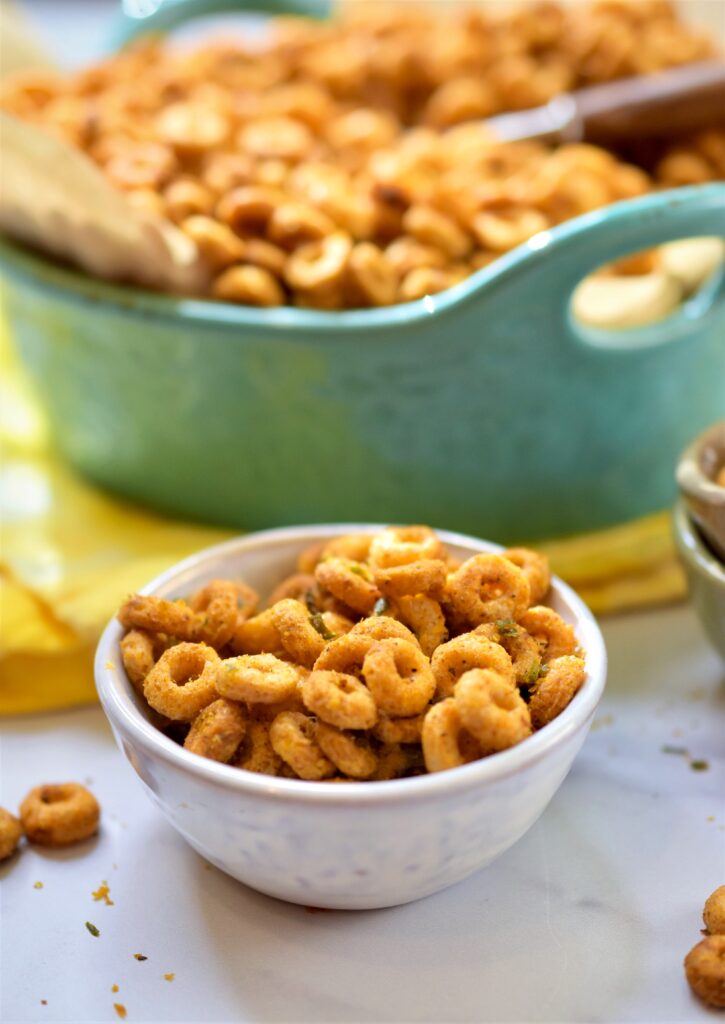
{"x": 114, "y": 988}
{"x": 169, "y": 977}
{"x": 139, "y": 956}
{"x": 120, "y": 1010}
{"x": 101, "y": 893}
{"x": 37, "y": 885}
{"x": 92, "y": 929}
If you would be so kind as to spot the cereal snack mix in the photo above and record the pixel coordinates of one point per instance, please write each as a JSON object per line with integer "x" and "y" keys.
{"x": 59, "y": 814}
{"x": 11, "y": 832}
{"x": 705, "y": 970}
{"x": 331, "y": 167}
{"x": 379, "y": 657}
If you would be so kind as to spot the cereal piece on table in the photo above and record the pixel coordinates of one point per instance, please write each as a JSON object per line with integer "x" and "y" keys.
{"x": 60, "y": 814}
{"x": 555, "y": 636}
{"x": 705, "y": 970}
{"x": 11, "y": 832}
{"x": 492, "y": 710}
{"x": 487, "y": 588}
{"x": 217, "y": 730}
{"x": 714, "y": 913}
{"x": 182, "y": 682}
{"x": 463, "y": 653}
{"x": 256, "y": 678}
{"x": 399, "y": 677}
{"x": 555, "y": 689}
{"x": 339, "y": 699}
{"x": 293, "y": 738}
{"x": 350, "y": 755}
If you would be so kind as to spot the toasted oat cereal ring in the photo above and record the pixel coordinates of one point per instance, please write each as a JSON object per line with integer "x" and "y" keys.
{"x": 295, "y": 223}
{"x": 192, "y": 128}
{"x": 217, "y": 731}
{"x": 353, "y": 546}
{"x": 182, "y": 681}
{"x": 536, "y": 569}
{"x": 523, "y": 650}
{"x": 256, "y": 753}
{"x": 399, "y": 676}
{"x": 464, "y": 653}
{"x": 399, "y": 730}
{"x": 349, "y": 755}
{"x": 157, "y": 615}
{"x": 302, "y": 641}
{"x": 247, "y": 210}
{"x": 401, "y": 545}
{"x": 249, "y": 285}
{"x": 492, "y": 709}
{"x": 11, "y": 832}
{"x": 488, "y": 587}
{"x": 446, "y": 743}
{"x": 428, "y": 576}
{"x": 257, "y": 635}
{"x": 137, "y": 655}
{"x": 431, "y": 227}
{"x": 705, "y": 970}
{"x": 350, "y": 582}
{"x": 185, "y": 198}
{"x": 336, "y": 623}
{"x": 372, "y": 277}
{"x": 58, "y": 815}
{"x": 319, "y": 264}
{"x": 256, "y": 678}
{"x": 345, "y": 654}
{"x": 216, "y": 242}
{"x": 339, "y": 699}
{"x": 425, "y": 617}
{"x": 141, "y": 165}
{"x": 217, "y": 604}
{"x": 555, "y": 637}
{"x": 714, "y": 913}
{"x": 247, "y": 600}
{"x": 298, "y": 586}
{"x": 293, "y": 737}
{"x": 393, "y": 762}
{"x": 382, "y": 627}
{"x": 555, "y": 689}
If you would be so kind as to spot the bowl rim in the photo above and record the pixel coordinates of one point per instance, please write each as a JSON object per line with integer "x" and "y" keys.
{"x": 693, "y": 549}
{"x": 692, "y": 478}
{"x": 115, "y": 693}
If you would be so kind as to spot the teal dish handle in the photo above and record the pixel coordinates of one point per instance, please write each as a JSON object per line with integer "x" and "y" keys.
{"x": 166, "y": 15}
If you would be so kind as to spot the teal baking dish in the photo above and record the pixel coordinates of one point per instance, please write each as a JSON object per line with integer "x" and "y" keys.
{"x": 484, "y": 409}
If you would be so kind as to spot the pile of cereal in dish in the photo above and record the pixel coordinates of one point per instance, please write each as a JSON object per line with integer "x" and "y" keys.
{"x": 382, "y": 657}
{"x": 310, "y": 168}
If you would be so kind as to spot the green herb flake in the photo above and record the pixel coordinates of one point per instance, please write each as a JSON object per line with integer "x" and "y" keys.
{"x": 381, "y": 606}
{"x": 319, "y": 623}
{"x": 230, "y": 666}
{"x": 311, "y": 603}
{"x": 507, "y": 627}
{"x": 534, "y": 673}
{"x": 681, "y": 751}
{"x": 359, "y": 570}
{"x": 92, "y": 929}
{"x": 699, "y": 766}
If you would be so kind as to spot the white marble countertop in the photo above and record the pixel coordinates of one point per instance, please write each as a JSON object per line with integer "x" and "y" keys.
{"x": 586, "y": 919}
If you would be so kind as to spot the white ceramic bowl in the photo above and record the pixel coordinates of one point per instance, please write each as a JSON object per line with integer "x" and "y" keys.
{"x": 348, "y": 846}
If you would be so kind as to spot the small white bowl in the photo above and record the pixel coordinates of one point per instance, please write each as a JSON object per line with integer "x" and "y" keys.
{"x": 348, "y": 846}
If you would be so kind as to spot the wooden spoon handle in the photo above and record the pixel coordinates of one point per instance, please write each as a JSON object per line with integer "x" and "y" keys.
{"x": 666, "y": 103}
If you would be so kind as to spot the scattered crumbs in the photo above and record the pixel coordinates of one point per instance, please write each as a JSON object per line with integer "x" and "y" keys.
{"x": 681, "y": 751}
{"x": 169, "y": 977}
{"x": 599, "y": 723}
{"x": 114, "y": 988}
{"x": 699, "y": 766}
{"x": 101, "y": 893}
{"x": 711, "y": 817}
{"x": 37, "y": 885}
{"x": 92, "y": 929}
{"x": 120, "y": 1010}
{"x": 109, "y": 664}
{"x": 43, "y": 1002}
{"x": 139, "y": 956}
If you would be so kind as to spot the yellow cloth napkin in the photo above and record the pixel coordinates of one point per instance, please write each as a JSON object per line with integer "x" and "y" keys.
{"x": 70, "y": 553}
